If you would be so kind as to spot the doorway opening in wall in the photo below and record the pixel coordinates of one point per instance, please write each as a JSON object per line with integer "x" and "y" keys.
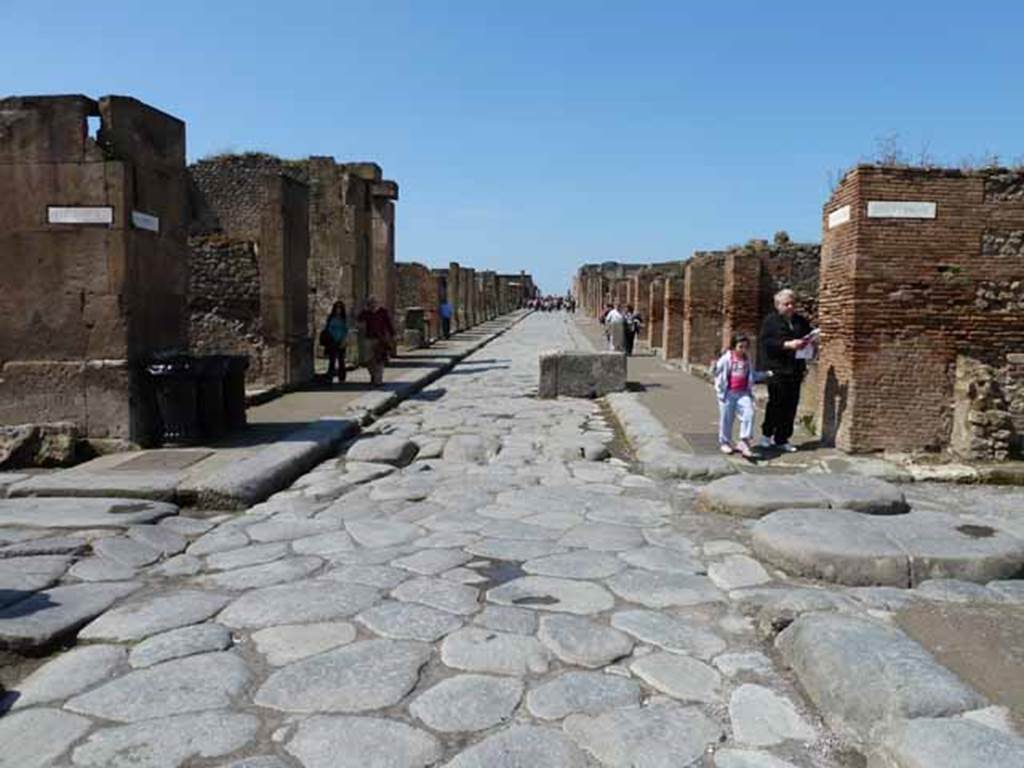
{"x": 92, "y": 126}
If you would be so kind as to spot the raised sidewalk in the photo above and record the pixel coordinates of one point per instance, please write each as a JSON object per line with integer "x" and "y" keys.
{"x": 285, "y": 438}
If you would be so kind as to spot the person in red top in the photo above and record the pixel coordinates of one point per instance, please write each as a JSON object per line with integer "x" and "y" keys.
{"x": 379, "y": 333}
{"x": 734, "y": 385}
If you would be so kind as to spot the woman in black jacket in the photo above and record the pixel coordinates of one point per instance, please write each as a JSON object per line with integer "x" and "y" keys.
{"x": 782, "y": 333}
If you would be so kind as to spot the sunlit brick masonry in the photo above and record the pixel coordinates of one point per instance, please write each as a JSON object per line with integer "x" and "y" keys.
{"x": 918, "y": 288}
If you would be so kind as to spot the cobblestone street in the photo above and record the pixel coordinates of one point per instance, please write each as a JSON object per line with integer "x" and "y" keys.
{"x": 479, "y": 582}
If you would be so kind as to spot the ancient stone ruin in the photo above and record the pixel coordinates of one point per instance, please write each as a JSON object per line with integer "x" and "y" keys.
{"x": 922, "y": 310}
{"x": 93, "y": 236}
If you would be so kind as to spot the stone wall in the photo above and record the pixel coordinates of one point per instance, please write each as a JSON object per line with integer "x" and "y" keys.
{"x": 417, "y": 286}
{"x": 920, "y": 310}
{"x": 703, "y": 313}
{"x": 249, "y": 251}
{"x": 93, "y": 239}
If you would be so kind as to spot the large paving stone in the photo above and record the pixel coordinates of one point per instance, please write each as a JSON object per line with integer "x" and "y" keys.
{"x": 469, "y": 449}
{"x": 862, "y": 675}
{"x": 193, "y": 684}
{"x": 664, "y": 590}
{"x": 522, "y": 746}
{"x": 475, "y": 649}
{"x": 432, "y": 562}
{"x": 672, "y": 633}
{"x": 576, "y": 640}
{"x": 170, "y": 742}
{"x": 898, "y": 550}
{"x": 35, "y": 738}
{"x": 22, "y": 575}
{"x": 305, "y": 601}
{"x": 655, "y": 558}
{"x": 409, "y": 621}
{"x": 243, "y": 557}
{"x": 952, "y": 742}
{"x": 467, "y": 703}
{"x": 580, "y": 564}
{"x": 379, "y": 576}
{"x": 125, "y": 551}
{"x": 290, "y": 642}
{"x": 64, "y": 676}
{"x": 588, "y": 693}
{"x": 603, "y": 537}
{"x": 383, "y": 449}
{"x": 81, "y": 513}
{"x": 662, "y": 736}
{"x": 159, "y": 537}
{"x": 367, "y": 675}
{"x": 255, "y": 576}
{"x": 382, "y": 533}
{"x": 277, "y": 529}
{"x": 510, "y": 549}
{"x": 362, "y": 742}
{"x": 737, "y": 572}
{"x": 576, "y": 373}
{"x": 54, "y": 613}
{"x": 743, "y": 496}
{"x": 546, "y": 593}
{"x": 761, "y": 718}
{"x": 520, "y": 621}
{"x": 679, "y": 676}
{"x": 46, "y": 545}
{"x": 154, "y": 614}
{"x": 100, "y": 569}
{"x": 439, "y": 593}
{"x": 178, "y": 643}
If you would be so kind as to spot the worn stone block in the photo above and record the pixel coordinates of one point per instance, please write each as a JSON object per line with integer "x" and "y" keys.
{"x": 581, "y": 374}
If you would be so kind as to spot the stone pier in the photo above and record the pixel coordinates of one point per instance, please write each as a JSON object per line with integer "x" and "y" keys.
{"x": 93, "y": 243}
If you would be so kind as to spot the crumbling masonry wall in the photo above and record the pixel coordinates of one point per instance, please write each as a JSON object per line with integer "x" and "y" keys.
{"x": 703, "y": 312}
{"x": 94, "y": 254}
{"x": 249, "y": 246}
{"x": 922, "y": 311}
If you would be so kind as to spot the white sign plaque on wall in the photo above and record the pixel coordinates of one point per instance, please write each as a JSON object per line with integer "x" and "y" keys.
{"x": 146, "y": 221}
{"x": 900, "y": 209}
{"x": 839, "y": 216}
{"x": 79, "y": 214}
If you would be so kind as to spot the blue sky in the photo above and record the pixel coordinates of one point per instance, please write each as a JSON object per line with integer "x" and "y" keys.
{"x": 542, "y": 135}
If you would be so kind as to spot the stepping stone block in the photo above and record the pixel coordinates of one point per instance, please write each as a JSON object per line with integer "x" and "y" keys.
{"x": 896, "y": 550}
{"x": 746, "y": 496}
{"x": 864, "y": 676}
{"x": 581, "y": 374}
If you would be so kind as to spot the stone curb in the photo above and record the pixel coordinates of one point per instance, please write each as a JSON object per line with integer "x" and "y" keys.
{"x": 276, "y": 466}
{"x": 650, "y": 442}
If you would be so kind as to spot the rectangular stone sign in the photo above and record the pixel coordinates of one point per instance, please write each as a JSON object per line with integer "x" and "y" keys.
{"x": 838, "y": 217}
{"x": 146, "y": 221}
{"x": 900, "y": 209}
{"x": 79, "y": 214}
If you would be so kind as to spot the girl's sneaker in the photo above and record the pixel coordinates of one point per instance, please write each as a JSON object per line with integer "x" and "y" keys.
{"x": 745, "y": 450}
{"x": 725, "y": 448}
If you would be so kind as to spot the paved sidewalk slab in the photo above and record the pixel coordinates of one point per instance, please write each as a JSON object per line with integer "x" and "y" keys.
{"x": 744, "y": 496}
{"x": 82, "y": 513}
{"x": 286, "y": 437}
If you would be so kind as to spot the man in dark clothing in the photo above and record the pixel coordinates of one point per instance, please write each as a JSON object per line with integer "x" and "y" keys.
{"x": 783, "y": 333}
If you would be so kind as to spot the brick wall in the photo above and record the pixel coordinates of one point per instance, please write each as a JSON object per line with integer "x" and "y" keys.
{"x": 674, "y": 317}
{"x": 904, "y": 301}
{"x": 656, "y": 315}
{"x": 702, "y": 328}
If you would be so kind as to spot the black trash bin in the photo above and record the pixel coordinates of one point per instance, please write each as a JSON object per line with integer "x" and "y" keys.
{"x": 234, "y": 390}
{"x": 210, "y": 373}
{"x": 174, "y": 384}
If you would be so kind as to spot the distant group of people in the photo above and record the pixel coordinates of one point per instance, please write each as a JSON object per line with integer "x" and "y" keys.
{"x": 552, "y": 304}
{"x": 378, "y": 337}
{"x": 786, "y": 343}
{"x": 621, "y": 326}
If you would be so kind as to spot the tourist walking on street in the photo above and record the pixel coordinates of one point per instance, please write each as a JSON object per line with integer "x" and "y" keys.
{"x": 633, "y": 324}
{"x": 379, "y": 333}
{"x": 734, "y": 385}
{"x": 446, "y": 318}
{"x": 783, "y": 334}
{"x": 615, "y": 328}
{"x": 334, "y": 339}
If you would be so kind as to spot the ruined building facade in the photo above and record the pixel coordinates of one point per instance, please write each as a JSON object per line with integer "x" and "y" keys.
{"x": 93, "y": 236}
